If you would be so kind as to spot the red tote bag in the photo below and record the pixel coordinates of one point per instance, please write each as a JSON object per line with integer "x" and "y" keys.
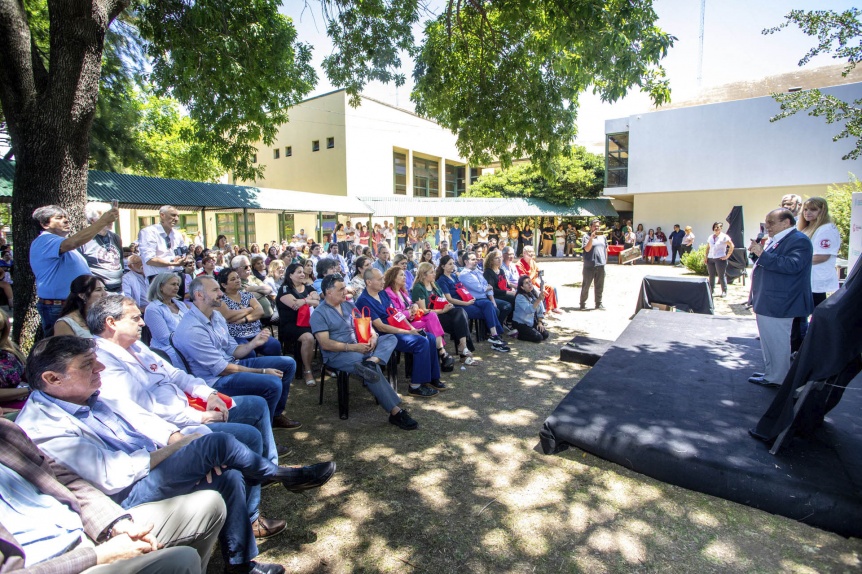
{"x": 362, "y": 325}
{"x": 502, "y": 284}
{"x": 438, "y": 302}
{"x": 201, "y": 404}
{"x": 397, "y": 319}
{"x": 303, "y": 316}
{"x": 463, "y": 293}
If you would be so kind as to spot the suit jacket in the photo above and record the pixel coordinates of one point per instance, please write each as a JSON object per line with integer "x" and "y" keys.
{"x": 96, "y": 510}
{"x": 781, "y": 284}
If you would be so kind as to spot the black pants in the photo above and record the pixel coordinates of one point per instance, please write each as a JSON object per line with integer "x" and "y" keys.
{"x": 531, "y": 334}
{"x": 511, "y": 301}
{"x": 456, "y": 324}
{"x": 591, "y": 274}
{"x": 674, "y": 251}
{"x": 717, "y": 268}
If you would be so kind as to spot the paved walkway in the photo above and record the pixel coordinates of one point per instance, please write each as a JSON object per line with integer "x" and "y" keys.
{"x": 622, "y": 285}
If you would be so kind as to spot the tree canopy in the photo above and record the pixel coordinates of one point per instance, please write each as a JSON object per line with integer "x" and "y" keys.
{"x": 839, "y": 34}
{"x": 579, "y": 174}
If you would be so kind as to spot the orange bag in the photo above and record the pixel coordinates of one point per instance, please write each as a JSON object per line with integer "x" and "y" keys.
{"x": 362, "y": 325}
{"x": 397, "y": 319}
{"x": 201, "y": 404}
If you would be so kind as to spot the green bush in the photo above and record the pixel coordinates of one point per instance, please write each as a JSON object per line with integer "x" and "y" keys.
{"x": 696, "y": 260}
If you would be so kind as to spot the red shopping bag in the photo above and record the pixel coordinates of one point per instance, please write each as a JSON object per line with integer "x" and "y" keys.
{"x": 438, "y": 302}
{"x": 303, "y": 316}
{"x": 201, "y": 404}
{"x": 397, "y": 319}
{"x": 362, "y": 325}
{"x": 502, "y": 284}
{"x": 463, "y": 293}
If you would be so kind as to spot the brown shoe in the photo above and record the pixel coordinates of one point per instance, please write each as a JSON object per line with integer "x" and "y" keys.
{"x": 282, "y": 422}
{"x": 266, "y": 527}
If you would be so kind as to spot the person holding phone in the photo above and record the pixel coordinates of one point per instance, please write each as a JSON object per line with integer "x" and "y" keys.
{"x": 163, "y": 247}
{"x": 595, "y": 247}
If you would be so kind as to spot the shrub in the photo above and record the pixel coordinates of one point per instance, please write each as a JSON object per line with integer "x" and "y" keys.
{"x": 839, "y": 198}
{"x": 695, "y": 261}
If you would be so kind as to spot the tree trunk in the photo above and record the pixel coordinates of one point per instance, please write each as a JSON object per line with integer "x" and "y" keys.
{"x": 49, "y": 110}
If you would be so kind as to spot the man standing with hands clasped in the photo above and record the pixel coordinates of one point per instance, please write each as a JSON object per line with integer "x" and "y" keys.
{"x": 595, "y": 257}
{"x": 781, "y": 290}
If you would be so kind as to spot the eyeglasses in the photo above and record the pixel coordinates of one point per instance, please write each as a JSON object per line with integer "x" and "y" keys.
{"x": 247, "y": 267}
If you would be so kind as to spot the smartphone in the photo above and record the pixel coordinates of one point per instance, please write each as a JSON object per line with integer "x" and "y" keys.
{"x": 115, "y": 203}
{"x": 541, "y": 272}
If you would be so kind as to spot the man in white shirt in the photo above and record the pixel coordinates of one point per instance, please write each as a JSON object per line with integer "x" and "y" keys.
{"x": 135, "y": 285}
{"x": 334, "y": 255}
{"x": 162, "y": 247}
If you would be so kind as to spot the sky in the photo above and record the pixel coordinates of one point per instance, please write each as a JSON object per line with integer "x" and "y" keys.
{"x": 734, "y": 49}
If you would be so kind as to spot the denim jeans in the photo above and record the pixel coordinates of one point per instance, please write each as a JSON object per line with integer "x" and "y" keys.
{"x": 185, "y": 472}
{"x": 270, "y": 387}
{"x": 49, "y": 315}
{"x": 484, "y": 309}
{"x": 426, "y": 365}
{"x": 272, "y": 348}
{"x": 347, "y": 360}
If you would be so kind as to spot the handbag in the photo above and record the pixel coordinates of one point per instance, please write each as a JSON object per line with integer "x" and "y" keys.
{"x": 201, "y": 404}
{"x": 463, "y": 293}
{"x": 362, "y": 325}
{"x": 502, "y": 284}
{"x": 303, "y": 316}
{"x": 437, "y": 302}
{"x": 397, "y": 319}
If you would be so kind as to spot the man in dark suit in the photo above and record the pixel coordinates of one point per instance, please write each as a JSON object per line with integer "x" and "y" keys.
{"x": 781, "y": 290}
{"x": 59, "y": 523}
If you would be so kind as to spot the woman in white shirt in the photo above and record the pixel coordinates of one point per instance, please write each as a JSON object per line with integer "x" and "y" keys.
{"x": 719, "y": 249}
{"x": 687, "y": 240}
{"x": 817, "y": 225}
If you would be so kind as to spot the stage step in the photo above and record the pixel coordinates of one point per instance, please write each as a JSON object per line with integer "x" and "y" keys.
{"x": 584, "y": 350}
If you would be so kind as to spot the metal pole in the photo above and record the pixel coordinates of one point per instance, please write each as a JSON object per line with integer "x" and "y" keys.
{"x": 245, "y": 225}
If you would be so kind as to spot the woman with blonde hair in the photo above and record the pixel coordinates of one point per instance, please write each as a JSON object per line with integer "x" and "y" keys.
{"x": 814, "y": 221}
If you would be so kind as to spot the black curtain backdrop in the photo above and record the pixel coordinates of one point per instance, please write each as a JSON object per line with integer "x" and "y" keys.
{"x": 739, "y": 258}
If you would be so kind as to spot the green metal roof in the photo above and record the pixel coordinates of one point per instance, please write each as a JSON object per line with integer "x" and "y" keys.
{"x": 135, "y": 191}
{"x": 393, "y": 206}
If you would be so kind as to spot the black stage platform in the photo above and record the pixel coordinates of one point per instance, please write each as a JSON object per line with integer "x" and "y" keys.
{"x": 670, "y": 399}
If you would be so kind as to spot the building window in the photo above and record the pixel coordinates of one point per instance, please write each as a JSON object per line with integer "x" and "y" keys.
{"x": 146, "y": 222}
{"x": 330, "y": 143}
{"x": 475, "y": 173}
{"x": 617, "y": 160}
{"x": 315, "y": 145}
{"x": 254, "y": 158}
{"x": 189, "y": 223}
{"x": 426, "y": 178}
{"x": 276, "y": 153}
{"x": 231, "y": 226}
{"x": 286, "y": 226}
{"x": 400, "y": 173}
{"x": 455, "y": 180}
{"x": 288, "y": 151}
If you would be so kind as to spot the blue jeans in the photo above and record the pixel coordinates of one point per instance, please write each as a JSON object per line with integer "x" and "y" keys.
{"x": 270, "y": 387}
{"x": 272, "y": 348}
{"x": 250, "y": 425}
{"x": 484, "y": 309}
{"x": 185, "y": 471}
{"x": 426, "y": 365}
{"x": 49, "y": 315}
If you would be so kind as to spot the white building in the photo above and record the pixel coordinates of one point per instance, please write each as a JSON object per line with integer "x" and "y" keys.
{"x": 691, "y": 165}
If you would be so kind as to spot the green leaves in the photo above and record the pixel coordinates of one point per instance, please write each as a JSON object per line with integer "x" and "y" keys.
{"x": 838, "y": 33}
{"x": 578, "y": 175}
{"x": 506, "y": 76}
{"x": 234, "y": 64}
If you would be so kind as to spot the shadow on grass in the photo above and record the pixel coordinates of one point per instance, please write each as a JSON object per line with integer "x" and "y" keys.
{"x": 467, "y": 492}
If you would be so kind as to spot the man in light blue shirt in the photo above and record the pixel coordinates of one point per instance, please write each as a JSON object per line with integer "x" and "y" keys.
{"x": 382, "y": 262}
{"x": 443, "y": 250}
{"x": 55, "y": 259}
{"x": 214, "y": 356}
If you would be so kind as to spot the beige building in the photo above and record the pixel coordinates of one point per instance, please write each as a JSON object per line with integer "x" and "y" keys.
{"x": 374, "y": 150}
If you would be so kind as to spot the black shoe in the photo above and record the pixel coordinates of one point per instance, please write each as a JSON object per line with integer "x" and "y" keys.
{"x": 583, "y": 307}
{"x": 422, "y": 391}
{"x": 600, "y": 307}
{"x": 757, "y": 375}
{"x": 447, "y": 363}
{"x": 498, "y": 344}
{"x": 307, "y": 477}
{"x": 283, "y": 451}
{"x": 403, "y": 420}
{"x": 254, "y": 568}
{"x": 439, "y": 385}
{"x": 763, "y": 382}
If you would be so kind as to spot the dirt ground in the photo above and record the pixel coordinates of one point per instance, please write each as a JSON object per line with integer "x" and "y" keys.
{"x": 469, "y": 491}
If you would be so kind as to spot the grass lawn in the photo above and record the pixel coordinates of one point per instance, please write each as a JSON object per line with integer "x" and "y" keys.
{"x": 469, "y": 492}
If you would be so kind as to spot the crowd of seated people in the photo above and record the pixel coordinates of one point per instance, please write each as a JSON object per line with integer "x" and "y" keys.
{"x": 183, "y": 375}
